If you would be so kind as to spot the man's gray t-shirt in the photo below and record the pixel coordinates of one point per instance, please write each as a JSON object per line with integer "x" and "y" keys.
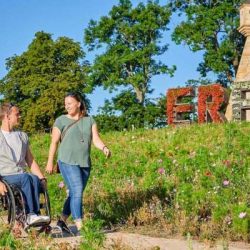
{"x": 14, "y": 141}
{"x": 76, "y": 144}
{"x": 13, "y": 150}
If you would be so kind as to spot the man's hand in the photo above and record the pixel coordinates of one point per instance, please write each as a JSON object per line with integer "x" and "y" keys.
{"x": 44, "y": 183}
{"x": 3, "y": 189}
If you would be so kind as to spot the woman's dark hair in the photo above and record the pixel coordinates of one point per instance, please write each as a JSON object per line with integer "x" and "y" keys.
{"x": 78, "y": 98}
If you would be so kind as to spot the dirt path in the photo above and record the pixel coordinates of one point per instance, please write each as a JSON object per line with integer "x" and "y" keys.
{"x": 127, "y": 241}
{"x": 140, "y": 242}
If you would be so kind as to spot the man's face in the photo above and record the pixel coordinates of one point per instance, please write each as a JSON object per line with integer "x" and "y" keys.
{"x": 14, "y": 116}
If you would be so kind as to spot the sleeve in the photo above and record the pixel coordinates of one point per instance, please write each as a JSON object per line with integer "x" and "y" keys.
{"x": 92, "y": 120}
{"x": 25, "y": 138}
{"x": 25, "y": 142}
{"x": 58, "y": 124}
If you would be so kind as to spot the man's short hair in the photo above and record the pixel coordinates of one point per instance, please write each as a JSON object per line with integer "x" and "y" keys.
{"x": 5, "y": 108}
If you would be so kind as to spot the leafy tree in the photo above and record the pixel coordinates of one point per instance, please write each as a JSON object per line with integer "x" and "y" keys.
{"x": 39, "y": 78}
{"x": 197, "y": 82}
{"x": 108, "y": 123}
{"x": 130, "y": 39}
{"x": 122, "y": 112}
{"x": 211, "y": 26}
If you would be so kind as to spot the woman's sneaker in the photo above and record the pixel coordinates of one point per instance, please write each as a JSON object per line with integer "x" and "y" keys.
{"x": 63, "y": 227}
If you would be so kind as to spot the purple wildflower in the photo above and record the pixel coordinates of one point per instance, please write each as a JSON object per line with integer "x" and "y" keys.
{"x": 61, "y": 184}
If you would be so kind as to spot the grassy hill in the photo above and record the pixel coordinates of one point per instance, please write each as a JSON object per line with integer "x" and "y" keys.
{"x": 193, "y": 179}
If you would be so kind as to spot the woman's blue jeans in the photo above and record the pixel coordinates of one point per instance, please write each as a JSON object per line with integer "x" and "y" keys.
{"x": 76, "y": 179}
{"x": 30, "y": 187}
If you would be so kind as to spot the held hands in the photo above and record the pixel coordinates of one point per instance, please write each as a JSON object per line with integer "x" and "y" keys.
{"x": 3, "y": 189}
{"x": 106, "y": 151}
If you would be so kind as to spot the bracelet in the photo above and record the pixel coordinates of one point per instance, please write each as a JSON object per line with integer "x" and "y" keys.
{"x": 104, "y": 147}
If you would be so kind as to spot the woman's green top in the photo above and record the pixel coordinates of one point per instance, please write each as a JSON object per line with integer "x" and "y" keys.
{"x": 76, "y": 144}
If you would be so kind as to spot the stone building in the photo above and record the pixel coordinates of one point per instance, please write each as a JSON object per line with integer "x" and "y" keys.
{"x": 239, "y": 104}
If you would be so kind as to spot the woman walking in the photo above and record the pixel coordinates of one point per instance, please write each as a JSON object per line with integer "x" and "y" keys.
{"x": 75, "y": 131}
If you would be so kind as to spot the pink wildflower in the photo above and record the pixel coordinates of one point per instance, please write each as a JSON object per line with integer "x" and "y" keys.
{"x": 61, "y": 184}
{"x": 208, "y": 173}
{"x": 227, "y": 163}
{"x": 242, "y": 215}
{"x": 161, "y": 171}
{"x": 225, "y": 182}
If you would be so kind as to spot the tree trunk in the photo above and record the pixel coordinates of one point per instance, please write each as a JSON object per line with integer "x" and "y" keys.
{"x": 140, "y": 96}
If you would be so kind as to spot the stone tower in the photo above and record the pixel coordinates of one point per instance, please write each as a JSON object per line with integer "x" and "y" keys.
{"x": 243, "y": 73}
{"x": 239, "y": 104}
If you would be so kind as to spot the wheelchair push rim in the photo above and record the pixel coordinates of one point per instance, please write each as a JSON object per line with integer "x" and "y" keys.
{"x": 7, "y": 208}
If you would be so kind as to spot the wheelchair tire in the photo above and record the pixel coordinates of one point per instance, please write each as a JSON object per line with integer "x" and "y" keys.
{"x": 7, "y": 208}
{"x": 44, "y": 202}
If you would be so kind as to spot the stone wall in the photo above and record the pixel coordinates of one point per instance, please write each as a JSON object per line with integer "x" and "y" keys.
{"x": 241, "y": 101}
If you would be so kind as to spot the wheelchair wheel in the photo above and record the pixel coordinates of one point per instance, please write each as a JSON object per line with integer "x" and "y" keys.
{"x": 44, "y": 202}
{"x": 44, "y": 210}
{"x": 7, "y": 208}
{"x": 19, "y": 205}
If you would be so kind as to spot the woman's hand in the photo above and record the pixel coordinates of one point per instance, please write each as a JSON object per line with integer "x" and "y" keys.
{"x": 49, "y": 168}
{"x": 55, "y": 138}
{"x": 98, "y": 142}
{"x": 106, "y": 151}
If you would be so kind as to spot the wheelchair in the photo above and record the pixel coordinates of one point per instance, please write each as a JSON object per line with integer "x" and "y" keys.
{"x": 12, "y": 209}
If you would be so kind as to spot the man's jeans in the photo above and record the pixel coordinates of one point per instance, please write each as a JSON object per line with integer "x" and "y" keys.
{"x": 76, "y": 179}
{"x": 30, "y": 187}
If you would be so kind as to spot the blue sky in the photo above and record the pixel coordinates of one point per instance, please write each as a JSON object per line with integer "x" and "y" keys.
{"x": 21, "y": 19}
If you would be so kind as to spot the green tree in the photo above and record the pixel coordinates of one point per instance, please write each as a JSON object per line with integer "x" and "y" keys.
{"x": 130, "y": 38}
{"x": 123, "y": 111}
{"x": 211, "y": 26}
{"x": 38, "y": 79}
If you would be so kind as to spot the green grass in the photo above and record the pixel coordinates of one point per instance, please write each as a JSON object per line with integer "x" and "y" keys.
{"x": 190, "y": 180}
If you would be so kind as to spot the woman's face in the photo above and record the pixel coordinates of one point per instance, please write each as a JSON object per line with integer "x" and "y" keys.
{"x": 72, "y": 105}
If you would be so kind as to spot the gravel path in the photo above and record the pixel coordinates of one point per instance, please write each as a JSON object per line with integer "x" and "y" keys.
{"x": 128, "y": 241}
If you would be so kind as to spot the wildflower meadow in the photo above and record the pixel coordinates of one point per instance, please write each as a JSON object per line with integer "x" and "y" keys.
{"x": 191, "y": 180}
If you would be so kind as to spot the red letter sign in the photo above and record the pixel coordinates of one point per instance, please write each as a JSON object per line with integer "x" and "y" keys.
{"x": 210, "y": 100}
{"x": 174, "y": 108}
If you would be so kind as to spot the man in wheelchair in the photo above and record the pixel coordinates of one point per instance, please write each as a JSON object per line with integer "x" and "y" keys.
{"x": 15, "y": 155}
